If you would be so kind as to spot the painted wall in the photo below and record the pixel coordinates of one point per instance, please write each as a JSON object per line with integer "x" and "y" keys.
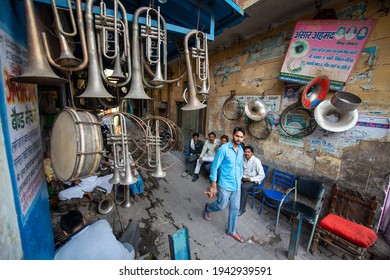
{"x": 251, "y": 68}
{"x": 10, "y": 243}
{"x": 27, "y": 233}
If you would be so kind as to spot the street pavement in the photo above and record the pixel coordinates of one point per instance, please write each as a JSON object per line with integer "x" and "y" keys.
{"x": 174, "y": 202}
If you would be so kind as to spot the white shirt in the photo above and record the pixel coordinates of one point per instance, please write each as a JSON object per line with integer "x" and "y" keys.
{"x": 253, "y": 169}
{"x": 209, "y": 149}
{"x": 94, "y": 242}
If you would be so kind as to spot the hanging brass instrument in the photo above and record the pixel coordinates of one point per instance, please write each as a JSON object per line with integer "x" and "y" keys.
{"x": 108, "y": 27}
{"x": 256, "y": 110}
{"x": 38, "y": 70}
{"x": 155, "y": 37}
{"x": 67, "y": 61}
{"x": 137, "y": 90}
{"x": 200, "y": 54}
{"x": 95, "y": 87}
{"x": 339, "y": 113}
{"x": 232, "y": 108}
{"x": 118, "y": 139}
{"x": 154, "y": 141}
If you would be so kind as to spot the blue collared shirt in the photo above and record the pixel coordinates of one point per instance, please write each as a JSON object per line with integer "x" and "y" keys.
{"x": 230, "y": 166}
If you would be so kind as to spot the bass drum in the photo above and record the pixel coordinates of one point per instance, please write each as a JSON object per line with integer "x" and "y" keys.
{"x": 76, "y": 144}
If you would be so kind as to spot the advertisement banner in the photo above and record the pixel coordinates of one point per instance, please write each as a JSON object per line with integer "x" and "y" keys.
{"x": 325, "y": 47}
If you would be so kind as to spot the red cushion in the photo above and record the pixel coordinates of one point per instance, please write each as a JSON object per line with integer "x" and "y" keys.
{"x": 353, "y": 232}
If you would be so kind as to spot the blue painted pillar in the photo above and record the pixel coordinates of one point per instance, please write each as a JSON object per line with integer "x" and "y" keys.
{"x": 21, "y": 135}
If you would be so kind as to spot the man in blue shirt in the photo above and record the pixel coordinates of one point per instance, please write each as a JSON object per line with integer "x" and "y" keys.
{"x": 228, "y": 163}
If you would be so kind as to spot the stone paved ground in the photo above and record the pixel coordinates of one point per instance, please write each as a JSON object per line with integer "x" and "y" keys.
{"x": 175, "y": 202}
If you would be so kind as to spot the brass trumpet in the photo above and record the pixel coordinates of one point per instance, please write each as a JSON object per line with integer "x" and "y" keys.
{"x": 118, "y": 140}
{"x": 156, "y": 142}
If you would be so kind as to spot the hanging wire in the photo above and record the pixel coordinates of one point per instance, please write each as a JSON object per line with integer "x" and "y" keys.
{"x": 197, "y": 24}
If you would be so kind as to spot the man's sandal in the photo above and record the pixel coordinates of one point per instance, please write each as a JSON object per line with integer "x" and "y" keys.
{"x": 236, "y": 236}
{"x": 206, "y": 215}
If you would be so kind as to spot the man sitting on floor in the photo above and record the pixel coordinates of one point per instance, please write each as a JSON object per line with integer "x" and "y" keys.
{"x": 95, "y": 241}
{"x": 85, "y": 186}
{"x": 208, "y": 153}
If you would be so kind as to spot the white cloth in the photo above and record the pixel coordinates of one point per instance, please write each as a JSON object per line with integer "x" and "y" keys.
{"x": 192, "y": 144}
{"x": 86, "y": 185}
{"x": 198, "y": 164}
{"x": 253, "y": 169}
{"x": 208, "y": 153}
{"x": 95, "y": 242}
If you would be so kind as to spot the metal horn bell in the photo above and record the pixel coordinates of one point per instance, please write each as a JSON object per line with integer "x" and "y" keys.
{"x": 256, "y": 110}
{"x": 334, "y": 119}
{"x": 345, "y": 100}
{"x": 38, "y": 70}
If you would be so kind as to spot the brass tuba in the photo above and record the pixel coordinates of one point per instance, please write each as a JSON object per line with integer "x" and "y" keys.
{"x": 201, "y": 55}
{"x": 38, "y": 70}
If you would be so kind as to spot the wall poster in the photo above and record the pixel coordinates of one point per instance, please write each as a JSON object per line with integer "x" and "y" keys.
{"x": 325, "y": 47}
{"x": 23, "y": 122}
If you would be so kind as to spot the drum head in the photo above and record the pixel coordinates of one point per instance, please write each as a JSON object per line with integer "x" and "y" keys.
{"x": 64, "y": 140}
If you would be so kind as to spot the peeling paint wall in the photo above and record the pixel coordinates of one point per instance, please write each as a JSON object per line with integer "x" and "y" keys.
{"x": 251, "y": 68}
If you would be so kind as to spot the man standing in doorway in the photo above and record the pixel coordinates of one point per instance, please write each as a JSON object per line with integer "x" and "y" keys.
{"x": 229, "y": 163}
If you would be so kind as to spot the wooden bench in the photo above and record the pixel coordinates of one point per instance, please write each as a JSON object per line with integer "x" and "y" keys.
{"x": 349, "y": 224}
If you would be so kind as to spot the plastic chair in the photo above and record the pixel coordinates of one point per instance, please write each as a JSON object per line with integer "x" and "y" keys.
{"x": 259, "y": 187}
{"x": 308, "y": 199}
{"x": 281, "y": 182}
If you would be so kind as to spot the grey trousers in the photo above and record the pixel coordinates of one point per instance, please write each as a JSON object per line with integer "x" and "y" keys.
{"x": 131, "y": 235}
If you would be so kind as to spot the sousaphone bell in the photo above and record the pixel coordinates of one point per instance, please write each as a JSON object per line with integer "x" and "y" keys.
{"x": 339, "y": 113}
{"x": 256, "y": 110}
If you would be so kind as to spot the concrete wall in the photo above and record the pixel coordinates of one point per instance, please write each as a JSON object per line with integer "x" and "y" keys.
{"x": 364, "y": 166}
